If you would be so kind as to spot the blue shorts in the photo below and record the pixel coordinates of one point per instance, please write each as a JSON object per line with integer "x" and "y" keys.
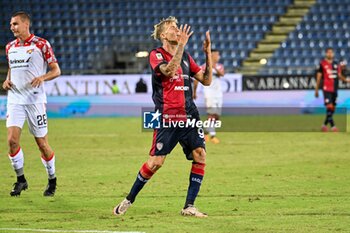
{"x": 165, "y": 139}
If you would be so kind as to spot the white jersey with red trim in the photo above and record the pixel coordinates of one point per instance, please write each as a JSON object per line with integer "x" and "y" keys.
{"x": 214, "y": 90}
{"x": 27, "y": 61}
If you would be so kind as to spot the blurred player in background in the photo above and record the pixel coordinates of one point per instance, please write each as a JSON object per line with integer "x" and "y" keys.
{"x": 213, "y": 95}
{"x": 28, "y": 57}
{"x": 329, "y": 72}
{"x": 172, "y": 68}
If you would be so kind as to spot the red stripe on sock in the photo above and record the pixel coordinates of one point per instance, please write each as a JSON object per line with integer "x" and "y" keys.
{"x": 13, "y": 155}
{"x": 48, "y": 159}
{"x": 146, "y": 172}
{"x": 198, "y": 168}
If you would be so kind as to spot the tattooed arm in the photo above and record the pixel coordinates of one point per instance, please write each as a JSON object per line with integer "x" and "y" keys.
{"x": 170, "y": 69}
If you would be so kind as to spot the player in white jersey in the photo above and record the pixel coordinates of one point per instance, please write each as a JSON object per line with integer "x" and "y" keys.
{"x": 28, "y": 57}
{"x": 213, "y": 95}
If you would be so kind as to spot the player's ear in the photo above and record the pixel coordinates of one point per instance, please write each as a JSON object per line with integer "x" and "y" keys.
{"x": 162, "y": 36}
{"x": 27, "y": 23}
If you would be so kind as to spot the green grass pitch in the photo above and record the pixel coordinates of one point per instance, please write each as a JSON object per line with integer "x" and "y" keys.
{"x": 254, "y": 182}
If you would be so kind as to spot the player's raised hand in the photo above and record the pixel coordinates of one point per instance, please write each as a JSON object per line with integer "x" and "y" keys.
{"x": 184, "y": 34}
{"x": 36, "y": 82}
{"x": 7, "y": 85}
{"x": 207, "y": 43}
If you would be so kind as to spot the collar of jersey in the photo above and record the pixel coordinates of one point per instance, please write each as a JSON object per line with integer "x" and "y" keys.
{"x": 26, "y": 41}
{"x": 165, "y": 51}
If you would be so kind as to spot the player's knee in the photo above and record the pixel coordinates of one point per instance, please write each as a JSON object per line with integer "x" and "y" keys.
{"x": 199, "y": 155}
{"x": 156, "y": 162}
{"x": 330, "y": 107}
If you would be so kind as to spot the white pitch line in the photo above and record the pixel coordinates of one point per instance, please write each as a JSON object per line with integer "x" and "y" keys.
{"x": 72, "y": 231}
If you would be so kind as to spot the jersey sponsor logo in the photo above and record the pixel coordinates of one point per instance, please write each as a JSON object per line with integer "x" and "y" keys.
{"x": 332, "y": 73}
{"x": 181, "y": 88}
{"x": 16, "y": 61}
{"x": 159, "y": 56}
{"x": 179, "y": 77}
{"x": 21, "y": 59}
{"x": 19, "y": 63}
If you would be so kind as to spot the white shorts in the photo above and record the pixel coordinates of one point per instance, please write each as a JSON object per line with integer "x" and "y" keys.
{"x": 214, "y": 105}
{"x": 35, "y": 114}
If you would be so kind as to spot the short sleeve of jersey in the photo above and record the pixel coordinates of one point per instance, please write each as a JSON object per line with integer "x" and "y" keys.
{"x": 194, "y": 68}
{"x": 47, "y": 51}
{"x": 7, "y": 50}
{"x": 155, "y": 60}
{"x": 221, "y": 67}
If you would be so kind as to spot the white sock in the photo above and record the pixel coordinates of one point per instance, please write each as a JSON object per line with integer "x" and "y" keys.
{"x": 17, "y": 161}
{"x": 212, "y": 133}
{"x": 49, "y": 164}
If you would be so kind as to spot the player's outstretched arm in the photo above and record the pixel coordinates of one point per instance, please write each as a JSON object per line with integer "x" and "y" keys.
{"x": 170, "y": 69}
{"x": 53, "y": 73}
{"x": 206, "y": 77}
{"x": 7, "y": 84}
{"x": 343, "y": 78}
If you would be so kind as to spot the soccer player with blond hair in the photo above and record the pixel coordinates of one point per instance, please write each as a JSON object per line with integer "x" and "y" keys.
{"x": 173, "y": 70}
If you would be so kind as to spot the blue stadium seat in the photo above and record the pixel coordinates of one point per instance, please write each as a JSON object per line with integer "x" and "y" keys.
{"x": 87, "y": 26}
{"x": 326, "y": 25}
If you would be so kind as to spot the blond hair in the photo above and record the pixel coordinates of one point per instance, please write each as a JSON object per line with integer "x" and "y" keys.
{"x": 159, "y": 27}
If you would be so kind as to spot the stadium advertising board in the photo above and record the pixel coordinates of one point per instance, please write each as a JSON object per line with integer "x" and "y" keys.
{"x": 85, "y": 85}
{"x": 283, "y": 82}
{"x": 130, "y": 105}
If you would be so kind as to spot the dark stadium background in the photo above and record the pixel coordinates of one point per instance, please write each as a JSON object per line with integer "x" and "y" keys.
{"x": 103, "y": 36}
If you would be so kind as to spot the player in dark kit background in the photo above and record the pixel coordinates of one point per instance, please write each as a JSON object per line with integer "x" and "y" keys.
{"x": 172, "y": 69}
{"x": 329, "y": 71}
